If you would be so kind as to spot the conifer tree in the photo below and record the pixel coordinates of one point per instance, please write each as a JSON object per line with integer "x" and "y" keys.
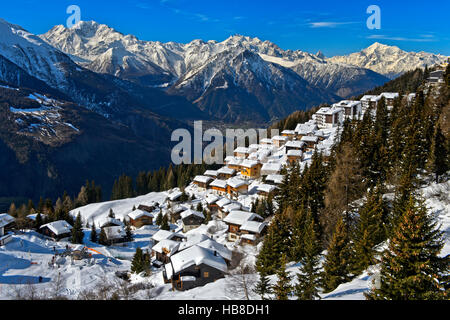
{"x": 128, "y": 234}
{"x": 102, "y": 237}
{"x": 282, "y": 289}
{"x": 111, "y": 213}
{"x": 165, "y": 223}
{"x": 308, "y": 280}
{"x": 263, "y": 287}
{"x": 77, "y": 231}
{"x": 438, "y": 161}
{"x": 93, "y": 233}
{"x": 336, "y": 266}
{"x": 137, "y": 264}
{"x": 370, "y": 230}
{"x": 158, "y": 219}
{"x": 38, "y": 222}
{"x": 410, "y": 267}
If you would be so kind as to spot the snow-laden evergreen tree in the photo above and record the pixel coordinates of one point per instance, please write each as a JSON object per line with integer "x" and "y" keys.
{"x": 308, "y": 279}
{"x": 282, "y": 288}
{"x": 410, "y": 267}
{"x": 77, "y": 231}
{"x": 94, "y": 237}
{"x": 137, "y": 264}
{"x": 370, "y": 230}
{"x": 337, "y": 260}
{"x": 438, "y": 160}
{"x": 263, "y": 287}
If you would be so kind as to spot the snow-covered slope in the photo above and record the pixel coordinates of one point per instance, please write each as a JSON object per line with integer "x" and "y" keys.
{"x": 390, "y": 61}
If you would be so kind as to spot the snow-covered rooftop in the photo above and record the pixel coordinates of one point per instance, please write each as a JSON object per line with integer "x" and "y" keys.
{"x": 190, "y": 212}
{"x": 253, "y": 226}
{"x": 236, "y": 182}
{"x": 58, "y": 227}
{"x": 240, "y": 217}
{"x": 218, "y": 247}
{"x": 218, "y": 184}
{"x": 166, "y": 246}
{"x": 226, "y": 170}
{"x": 275, "y": 178}
{"x": 114, "y": 232}
{"x": 196, "y": 255}
{"x": 136, "y": 214}
{"x": 5, "y": 219}
{"x": 202, "y": 179}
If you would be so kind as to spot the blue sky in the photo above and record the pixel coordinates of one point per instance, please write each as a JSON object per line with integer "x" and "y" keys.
{"x": 335, "y": 27}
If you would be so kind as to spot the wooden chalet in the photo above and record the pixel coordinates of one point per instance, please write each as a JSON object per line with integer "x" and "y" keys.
{"x": 139, "y": 218}
{"x": 236, "y": 219}
{"x": 236, "y": 186}
{"x": 226, "y": 173}
{"x": 202, "y": 182}
{"x": 163, "y": 250}
{"x": 251, "y": 231}
{"x": 7, "y": 223}
{"x": 57, "y": 230}
{"x": 251, "y": 169}
{"x": 218, "y": 186}
{"x": 115, "y": 234}
{"x": 294, "y": 156}
{"x": 191, "y": 219}
{"x": 194, "y": 267}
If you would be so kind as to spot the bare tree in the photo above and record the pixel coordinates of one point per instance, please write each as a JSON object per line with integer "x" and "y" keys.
{"x": 242, "y": 281}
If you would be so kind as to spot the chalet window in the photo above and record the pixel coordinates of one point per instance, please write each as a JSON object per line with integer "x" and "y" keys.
{"x": 205, "y": 274}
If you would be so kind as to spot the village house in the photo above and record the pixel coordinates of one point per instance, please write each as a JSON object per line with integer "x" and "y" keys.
{"x": 220, "y": 207}
{"x": 294, "y": 156}
{"x": 194, "y": 267}
{"x": 57, "y": 230}
{"x": 290, "y": 134}
{"x": 115, "y": 234}
{"x": 236, "y": 219}
{"x": 251, "y": 231}
{"x": 241, "y": 152}
{"x": 260, "y": 155}
{"x": 175, "y": 212}
{"x": 389, "y": 98}
{"x": 270, "y": 168}
{"x": 109, "y": 222}
{"x": 211, "y": 202}
{"x": 169, "y": 235}
{"x": 274, "y": 179}
{"x": 211, "y": 173}
{"x": 218, "y": 187}
{"x": 369, "y": 101}
{"x": 192, "y": 239}
{"x": 328, "y": 117}
{"x": 163, "y": 250}
{"x": 236, "y": 187}
{"x": 7, "y": 223}
{"x": 225, "y": 173}
{"x": 266, "y": 142}
{"x": 266, "y": 190}
{"x": 233, "y": 163}
{"x": 226, "y": 209}
{"x": 305, "y": 129}
{"x": 191, "y": 219}
{"x": 295, "y": 145}
{"x": 214, "y": 246}
{"x": 148, "y": 208}
{"x": 352, "y": 109}
{"x": 251, "y": 169}
{"x": 436, "y": 78}
{"x": 279, "y": 141}
{"x": 32, "y": 217}
{"x": 139, "y": 218}
{"x": 311, "y": 142}
{"x": 202, "y": 182}
{"x": 173, "y": 198}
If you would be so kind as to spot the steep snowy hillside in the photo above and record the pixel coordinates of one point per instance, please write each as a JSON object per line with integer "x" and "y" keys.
{"x": 390, "y": 61}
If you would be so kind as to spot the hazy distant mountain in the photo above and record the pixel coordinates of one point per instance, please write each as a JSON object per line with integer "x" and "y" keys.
{"x": 390, "y": 61}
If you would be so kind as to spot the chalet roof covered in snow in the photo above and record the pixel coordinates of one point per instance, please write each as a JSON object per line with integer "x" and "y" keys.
{"x": 136, "y": 214}
{"x": 166, "y": 246}
{"x": 240, "y": 217}
{"x": 196, "y": 255}
{"x": 211, "y": 199}
{"x": 33, "y": 216}
{"x": 58, "y": 227}
{"x": 232, "y": 206}
{"x": 234, "y": 161}
{"x": 226, "y": 170}
{"x": 163, "y": 234}
{"x": 294, "y": 153}
{"x": 175, "y": 195}
{"x": 253, "y": 226}
{"x": 235, "y": 182}
{"x": 289, "y": 132}
{"x": 5, "y": 219}
{"x": 270, "y": 168}
{"x": 114, "y": 232}
{"x": 310, "y": 139}
{"x": 190, "y": 212}
{"x": 218, "y": 184}
{"x": 266, "y": 188}
{"x": 223, "y": 202}
{"x": 279, "y": 138}
{"x": 306, "y": 128}
{"x": 275, "y": 178}
{"x": 242, "y": 150}
{"x": 108, "y": 220}
{"x": 202, "y": 179}
{"x": 210, "y": 173}
{"x": 266, "y": 141}
{"x": 249, "y": 163}
{"x": 218, "y": 247}
{"x": 192, "y": 240}
{"x": 295, "y": 144}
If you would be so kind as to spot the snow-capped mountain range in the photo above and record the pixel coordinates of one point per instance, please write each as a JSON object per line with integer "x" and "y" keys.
{"x": 390, "y": 61}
